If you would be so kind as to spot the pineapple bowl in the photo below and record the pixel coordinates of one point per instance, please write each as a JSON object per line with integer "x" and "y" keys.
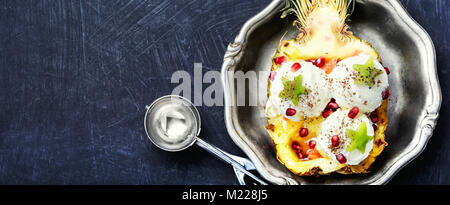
{"x": 328, "y": 93}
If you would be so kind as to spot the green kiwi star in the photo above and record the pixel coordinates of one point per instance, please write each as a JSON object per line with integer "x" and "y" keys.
{"x": 293, "y": 89}
{"x": 359, "y": 138}
{"x": 366, "y": 73}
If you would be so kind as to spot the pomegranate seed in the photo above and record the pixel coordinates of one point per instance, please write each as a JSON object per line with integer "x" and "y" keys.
{"x": 290, "y": 112}
{"x": 280, "y": 60}
{"x": 387, "y": 70}
{"x": 326, "y": 113}
{"x": 304, "y": 132}
{"x": 295, "y": 67}
{"x": 353, "y": 112}
{"x": 373, "y": 117}
{"x": 375, "y": 127}
{"x": 341, "y": 158}
{"x": 272, "y": 75}
{"x": 296, "y": 146}
{"x": 333, "y": 100}
{"x": 300, "y": 155}
{"x": 333, "y": 106}
{"x": 319, "y": 62}
{"x": 312, "y": 144}
{"x": 335, "y": 141}
{"x": 385, "y": 94}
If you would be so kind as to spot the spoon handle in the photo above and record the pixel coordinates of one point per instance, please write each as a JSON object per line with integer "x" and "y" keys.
{"x": 224, "y": 156}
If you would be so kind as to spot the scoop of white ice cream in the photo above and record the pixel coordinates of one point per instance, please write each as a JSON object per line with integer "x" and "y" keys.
{"x": 337, "y": 124}
{"x": 341, "y": 82}
{"x": 309, "y": 105}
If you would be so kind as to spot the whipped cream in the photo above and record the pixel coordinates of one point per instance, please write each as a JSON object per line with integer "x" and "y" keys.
{"x": 337, "y": 124}
{"x": 348, "y": 94}
{"x": 311, "y": 104}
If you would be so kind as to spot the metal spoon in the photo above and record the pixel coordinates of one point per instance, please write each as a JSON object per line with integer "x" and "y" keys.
{"x": 173, "y": 124}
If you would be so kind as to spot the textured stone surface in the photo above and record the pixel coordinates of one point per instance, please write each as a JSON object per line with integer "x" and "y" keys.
{"x": 75, "y": 77}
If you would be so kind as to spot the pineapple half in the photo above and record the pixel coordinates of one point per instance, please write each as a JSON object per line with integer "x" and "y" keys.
{"x": 322, "y": 33}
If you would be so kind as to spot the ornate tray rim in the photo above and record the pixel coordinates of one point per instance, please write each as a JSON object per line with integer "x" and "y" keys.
{"x": 427, "y": 123}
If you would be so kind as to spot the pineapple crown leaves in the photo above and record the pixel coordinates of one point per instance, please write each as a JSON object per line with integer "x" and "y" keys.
{"x": 293, "y": 89}
{"x": 366, "y": 73}
{"x": 359, "y": 138}
{"x": 302, "y": 9}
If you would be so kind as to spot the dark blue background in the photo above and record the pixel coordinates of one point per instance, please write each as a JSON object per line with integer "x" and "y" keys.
{"x": 75, "y": 77}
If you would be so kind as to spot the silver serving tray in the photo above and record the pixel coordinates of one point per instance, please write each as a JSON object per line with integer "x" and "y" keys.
{"x": 415, "y": 92}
